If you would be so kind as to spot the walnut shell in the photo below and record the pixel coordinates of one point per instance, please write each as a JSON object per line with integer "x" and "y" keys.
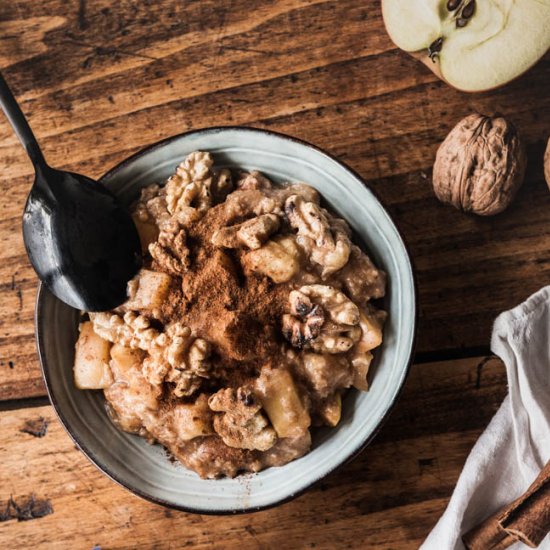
{"x": 547, "y": 163}
{"x": 480, "y": 165}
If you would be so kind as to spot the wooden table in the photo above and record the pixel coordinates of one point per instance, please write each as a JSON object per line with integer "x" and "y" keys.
{"x": 100, "y": 80}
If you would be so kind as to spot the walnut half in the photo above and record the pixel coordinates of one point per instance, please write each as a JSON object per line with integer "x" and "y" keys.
{"x": 251, "y": 233}
{"x": 170, "y": 252}
{"x": 188, "y": 187}
{"x": 325, "y": 242}
{"x": 305, "y": 320}
{"x": 241, "y": 423}
{"x": 480, "y": 165}
{"x": 321, "y": 318}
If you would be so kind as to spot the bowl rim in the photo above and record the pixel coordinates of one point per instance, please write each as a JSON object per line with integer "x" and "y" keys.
{"x": 89, "y": 454}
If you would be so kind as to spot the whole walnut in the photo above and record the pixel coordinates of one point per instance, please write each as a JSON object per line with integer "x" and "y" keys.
{"x": 480, "y": 165}
{"x": 547, "y": 163}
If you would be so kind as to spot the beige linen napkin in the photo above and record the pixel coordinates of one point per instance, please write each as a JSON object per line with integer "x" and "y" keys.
{"x": 516, "y": 445}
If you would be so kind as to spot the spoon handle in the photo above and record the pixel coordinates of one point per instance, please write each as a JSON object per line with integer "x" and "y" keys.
{"x": 20, "y": 125}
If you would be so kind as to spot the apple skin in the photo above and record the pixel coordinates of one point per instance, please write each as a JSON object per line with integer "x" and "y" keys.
{"x": 396, "y": 20}
{"x": 424, "y": 58}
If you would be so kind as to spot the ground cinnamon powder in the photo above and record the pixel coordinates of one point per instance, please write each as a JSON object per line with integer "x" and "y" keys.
{"x": 238, "y": 313}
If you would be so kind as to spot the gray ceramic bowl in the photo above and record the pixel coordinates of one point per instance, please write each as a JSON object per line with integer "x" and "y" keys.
{"x": 145, "y": 469}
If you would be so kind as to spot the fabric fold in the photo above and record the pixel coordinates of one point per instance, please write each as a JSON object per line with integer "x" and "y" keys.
{"x": 514, "y": 448}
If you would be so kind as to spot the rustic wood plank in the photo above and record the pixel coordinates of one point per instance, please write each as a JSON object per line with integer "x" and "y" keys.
{"x": 389, "y": 497}
{"x": 103, "y": 80}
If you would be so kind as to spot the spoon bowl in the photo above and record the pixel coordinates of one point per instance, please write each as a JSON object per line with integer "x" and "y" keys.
{"x": 81, "y": 241}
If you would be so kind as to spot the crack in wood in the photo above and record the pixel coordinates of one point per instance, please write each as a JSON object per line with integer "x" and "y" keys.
{"x": 82, "y": 21}
{"x": 37, "y": 427}
{"x": 25, "y": 508}
{"x": 20, "y": 298}
{"x": 23, "y": 403}
{"x": 252, "y": 532}
{"x": 108, "y": 50}
{"x": 246, "y": 50}
{"x": 450, "y": 354}
{"x": 479, "y": 368}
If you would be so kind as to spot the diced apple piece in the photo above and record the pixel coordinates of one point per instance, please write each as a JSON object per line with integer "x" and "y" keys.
{"x": 148, "y": 232}
{"x": 361, "y": 364}
{"x": 278, "y": 259}
{"x": 132, "y": 400}
{"x": 91, "y": 365}
{"x": 281, "y": 401}
{"x": 192, "y": 420}
{"x": 152, "y": 289}
{"x": 371, "y": 327}
{"x": 331, "y": 410}
{"x": 124, "y": 360}
{"x": 371, "y": 322}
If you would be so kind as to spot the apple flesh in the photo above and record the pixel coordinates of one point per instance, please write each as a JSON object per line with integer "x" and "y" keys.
{"x": 474, "y": 45}
{"x": 91, "y": 365}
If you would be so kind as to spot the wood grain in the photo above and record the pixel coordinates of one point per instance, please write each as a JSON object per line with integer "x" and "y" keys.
{"x": 99, "y": 80}
{"x": 389, "y": 497}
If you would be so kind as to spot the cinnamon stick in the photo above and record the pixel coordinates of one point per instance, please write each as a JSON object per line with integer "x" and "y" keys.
{"x": 526, "y": 519}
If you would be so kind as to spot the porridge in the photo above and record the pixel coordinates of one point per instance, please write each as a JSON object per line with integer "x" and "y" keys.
{"x": 251, "y": 317}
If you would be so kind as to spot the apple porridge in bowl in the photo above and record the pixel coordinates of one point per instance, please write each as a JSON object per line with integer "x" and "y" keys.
{"x": 250, "y": 319}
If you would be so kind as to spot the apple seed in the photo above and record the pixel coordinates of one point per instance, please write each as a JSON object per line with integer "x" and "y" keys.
{"x": 434, "y": 48}
{"x": 453, "y": 5}
{"x": 468, "y": 10}
{"x": 466, "y": 14}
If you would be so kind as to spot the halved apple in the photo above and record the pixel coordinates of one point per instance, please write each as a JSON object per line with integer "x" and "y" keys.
{"x": 473, "y": 45}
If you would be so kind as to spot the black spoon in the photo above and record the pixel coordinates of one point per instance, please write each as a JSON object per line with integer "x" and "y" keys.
{"x": 81, "y": 242}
